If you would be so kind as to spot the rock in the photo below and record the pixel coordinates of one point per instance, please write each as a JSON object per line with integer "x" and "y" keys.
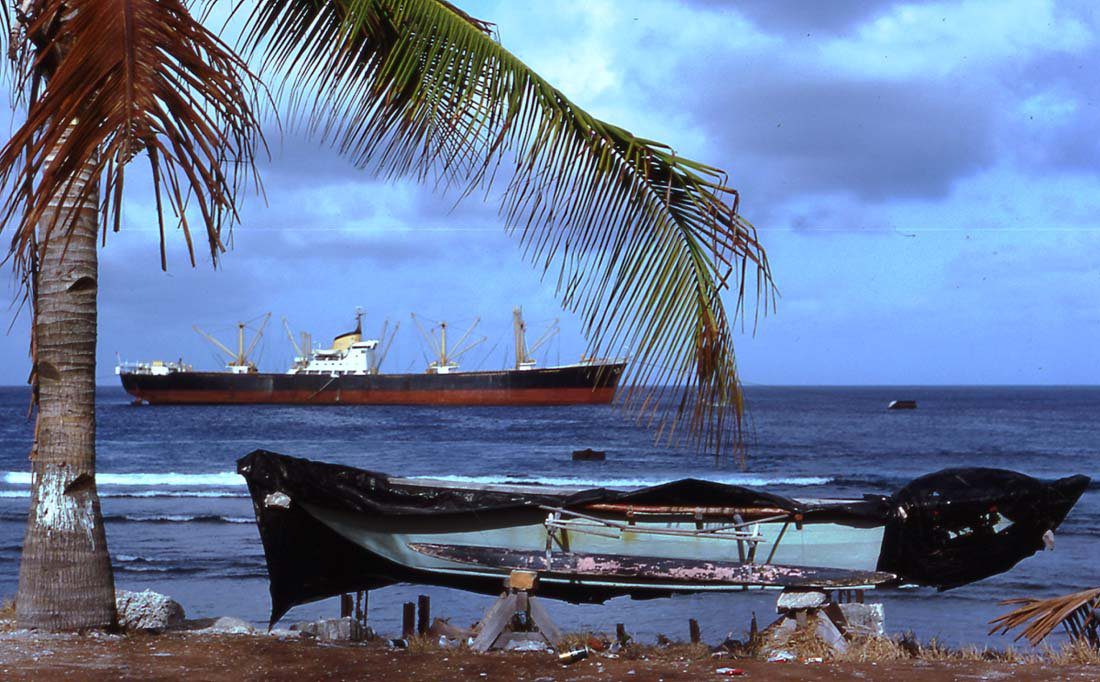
{"x": 147, "y": 610}
{"x": 795, "y": 601}
{"x": 827, "y": 632}
{"x": 332, "y": 630}
{"x": 231, "y": 626}
{"x": 864, "y": 620}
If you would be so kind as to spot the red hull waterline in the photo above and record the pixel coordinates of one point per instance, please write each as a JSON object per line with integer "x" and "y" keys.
{"x": 498, "y": 397}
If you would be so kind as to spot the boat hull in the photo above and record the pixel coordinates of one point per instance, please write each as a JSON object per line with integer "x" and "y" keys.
{"x": 329, "y": 529}
{"x": 591, "y": 384}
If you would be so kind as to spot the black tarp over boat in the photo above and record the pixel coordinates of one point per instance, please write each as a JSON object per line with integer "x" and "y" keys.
{"x": 329, "y": 529}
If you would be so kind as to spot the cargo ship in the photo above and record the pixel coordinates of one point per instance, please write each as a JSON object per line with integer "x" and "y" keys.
{"x": 349, "y": 373}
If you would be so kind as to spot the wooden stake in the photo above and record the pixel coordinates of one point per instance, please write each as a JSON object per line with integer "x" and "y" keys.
{"x": 408, "y": 620}
{"x": 423, "y": 614}
{"x": 620, "y": 634}
{"x": 693, "y": 628}
{"x": 346, "y": 605}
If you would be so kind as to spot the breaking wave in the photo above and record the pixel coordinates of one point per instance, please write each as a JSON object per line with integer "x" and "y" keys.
{"x": 221, "y": 479}
{"x": 743, "y": 479}
{"x": 175, "y": 518}
{"x": 142, "y": 493}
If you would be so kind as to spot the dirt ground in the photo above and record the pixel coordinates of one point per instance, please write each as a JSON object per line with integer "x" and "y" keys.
{"x": 235, "y": 658}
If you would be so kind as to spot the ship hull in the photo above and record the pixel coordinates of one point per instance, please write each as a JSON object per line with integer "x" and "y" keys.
{"x": 569, "y": 385}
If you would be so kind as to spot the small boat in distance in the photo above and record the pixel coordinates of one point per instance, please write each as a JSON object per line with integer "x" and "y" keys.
{"x": 902, "y": 405}
{"x": 349, "y": 373}
{"x": 329, "y": 529}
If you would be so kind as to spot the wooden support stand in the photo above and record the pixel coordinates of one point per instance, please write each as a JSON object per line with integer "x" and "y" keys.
{"x": 516, "y": 617}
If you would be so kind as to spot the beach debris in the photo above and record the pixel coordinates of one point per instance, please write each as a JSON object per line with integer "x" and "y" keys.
{"x": 570, "y": 657}
{"x": 147, "y": 610}
{"x": 333, "y": 630}
{"x": 589, "y": 455}
{"x": 527, "y": 645}
{"x": 902, "y": 405}
{"x": 1077, "y": 613}
{"x": 730, "y": 672}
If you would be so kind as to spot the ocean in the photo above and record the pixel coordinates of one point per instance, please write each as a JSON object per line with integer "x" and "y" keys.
{"x": 179, "y": 519}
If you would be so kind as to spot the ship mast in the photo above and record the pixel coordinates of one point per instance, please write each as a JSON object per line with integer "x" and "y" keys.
{"x": 519, "y": 327}
{"x": 523, "y": 353}
{"x": 447, "y": 361}
{"x": 239, "y": 360}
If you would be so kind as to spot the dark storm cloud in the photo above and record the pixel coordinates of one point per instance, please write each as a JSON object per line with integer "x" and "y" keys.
{"x": 798, "y": 16}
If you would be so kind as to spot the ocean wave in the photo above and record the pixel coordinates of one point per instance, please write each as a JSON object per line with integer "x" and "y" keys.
{"x": 143, "y": 493}
{"x": 175, "y": 518}
{"x": 568, "y": 481}
{"x": 221, "y": 479}
{"x": 174, "y": 493}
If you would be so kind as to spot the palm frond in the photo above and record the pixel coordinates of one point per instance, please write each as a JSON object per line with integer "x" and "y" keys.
{"x": 122, "y": 77}
{"x": 642, "y": 242}
{"x": 1074, "y": 612}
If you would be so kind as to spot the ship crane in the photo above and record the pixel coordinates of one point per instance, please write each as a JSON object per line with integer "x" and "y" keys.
{"x": 447, "y": 357}
{"x": 384, "y": 347}
{"x": 238, "y": 361}
{"x": 524, "y": 359}
{"x": 304, "y": 350}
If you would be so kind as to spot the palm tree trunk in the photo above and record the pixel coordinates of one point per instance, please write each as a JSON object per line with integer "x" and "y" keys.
{"x": 65, "y": 579}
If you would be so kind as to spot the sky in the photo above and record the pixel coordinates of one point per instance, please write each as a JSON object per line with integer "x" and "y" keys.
{"x": 925, "y": 178}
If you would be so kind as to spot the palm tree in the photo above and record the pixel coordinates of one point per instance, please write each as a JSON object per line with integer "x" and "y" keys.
{"x": 641, "y": 242}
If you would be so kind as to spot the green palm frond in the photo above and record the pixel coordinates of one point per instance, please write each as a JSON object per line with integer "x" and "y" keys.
{"x": 120, "y": 78}
{"x": 641, "y": 241}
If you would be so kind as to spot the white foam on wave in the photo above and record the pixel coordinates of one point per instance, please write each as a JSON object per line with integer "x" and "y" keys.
{"x": 184, "y": 518}
{"x": 142, "y": 493}
{"x": 568, "y": 481}
{"x": 221, "y": 479}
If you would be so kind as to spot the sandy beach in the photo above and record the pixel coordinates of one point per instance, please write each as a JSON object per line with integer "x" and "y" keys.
{"x": 233, "y": 658}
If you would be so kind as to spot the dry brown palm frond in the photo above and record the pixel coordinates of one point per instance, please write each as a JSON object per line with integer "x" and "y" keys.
{"x": 642, "y": 242}
{"x": 1041, "y": 616}
{"x": 121, "y": 78}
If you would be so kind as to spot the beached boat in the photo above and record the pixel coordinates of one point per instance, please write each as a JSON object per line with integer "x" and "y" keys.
{"x": 349, "y": 373}
{"x": 329, "y": 529}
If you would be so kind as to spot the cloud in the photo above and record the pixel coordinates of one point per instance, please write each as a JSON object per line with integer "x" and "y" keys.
{"x": 941, "y": 38}
{"x": 797, "y": 16}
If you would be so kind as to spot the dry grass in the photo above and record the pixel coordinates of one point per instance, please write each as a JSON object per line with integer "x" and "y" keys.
{"x": 424, "y": 644}
{"x": 7, "y": 615}
{"x": 805, "y": 645}
{"x": 874, "y": 650}
{"x": 1072, "y": 653}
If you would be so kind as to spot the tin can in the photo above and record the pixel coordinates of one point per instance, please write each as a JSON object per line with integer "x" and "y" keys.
{"x": 573, "y": 656}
